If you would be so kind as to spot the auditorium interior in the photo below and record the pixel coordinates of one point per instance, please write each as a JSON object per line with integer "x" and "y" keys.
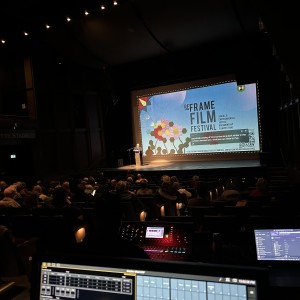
{"x": 68, "y": 73}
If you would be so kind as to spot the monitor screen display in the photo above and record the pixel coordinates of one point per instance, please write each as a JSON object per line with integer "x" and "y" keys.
{"x": 155, "y": 232}
{"x": 115, "y": 278}
{"x": 277, "y": 244}
{"x": 214, "y": 116}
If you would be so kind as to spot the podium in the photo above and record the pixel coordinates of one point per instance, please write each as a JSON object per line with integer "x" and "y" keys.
{"x": 137, "y": 156}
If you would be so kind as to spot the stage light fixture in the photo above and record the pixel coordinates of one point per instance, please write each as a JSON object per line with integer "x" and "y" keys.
{"x": 3, "y": 41}
{"x": 102, "y": 7}
{"x": 26, "y": 33}
{"x": 68, "y": 19}
{"x": 48, "y": 26}
{"x": 115, "y": 3}
{"x": 86, "y": 13}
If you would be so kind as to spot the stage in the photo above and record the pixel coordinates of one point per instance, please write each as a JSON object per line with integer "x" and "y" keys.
{"x": 211, "y": 168}
{"x": 192, "y": 165}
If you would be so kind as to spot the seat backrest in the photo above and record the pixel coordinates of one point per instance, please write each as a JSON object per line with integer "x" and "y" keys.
{"x": 23, "y": 225}
{"x": 55, "y": 234}
{"x": 128, "y": 211}
{"x": 152, "y": 209}
{"x": 9, "y": 265}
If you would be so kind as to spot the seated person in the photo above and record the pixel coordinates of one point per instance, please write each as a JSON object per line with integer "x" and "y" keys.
{"x": 201, "y": 196}
{"x": 144, "y": 190}
{"x": 260, "y": 193}
{"x": 124, "y": 195}
{"x": 169, "y": 196}
{"x": 8, "y": 200}
{"x": 230, "y": 192}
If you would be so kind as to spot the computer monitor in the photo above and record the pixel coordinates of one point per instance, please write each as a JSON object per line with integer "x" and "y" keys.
{"x": 277, "y": 244}
{"x": 110, "y": 278}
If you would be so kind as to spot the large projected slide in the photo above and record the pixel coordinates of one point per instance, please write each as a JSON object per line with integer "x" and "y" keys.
{"x": 215, "y": 116}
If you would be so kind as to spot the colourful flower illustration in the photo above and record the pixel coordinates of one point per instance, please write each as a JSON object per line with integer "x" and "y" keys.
{"x": 157, "y": 133}
{"x": 169, "y": 134}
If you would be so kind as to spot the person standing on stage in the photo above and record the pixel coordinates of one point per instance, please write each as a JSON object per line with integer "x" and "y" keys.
{"x": 138, "y": 154}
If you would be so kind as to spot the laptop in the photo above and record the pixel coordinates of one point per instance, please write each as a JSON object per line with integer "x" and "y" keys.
{"x": 273, "y": 245}
{"x": 279, "y": 250}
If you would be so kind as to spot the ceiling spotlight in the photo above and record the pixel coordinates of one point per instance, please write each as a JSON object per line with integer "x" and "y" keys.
{"x": 47, "y": 26}
{"x": 115, "y": 3}
{"x": 86, "y": 13}
{"x": 68, "y": 19}
{"x": 3, "y": 41}
{"x": 102, "y": 7}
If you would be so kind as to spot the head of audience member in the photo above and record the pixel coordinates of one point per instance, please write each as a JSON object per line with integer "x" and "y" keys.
{"x": 10, "y": 192}
{"x": 176, "y": 185}
{"x": 52, "y": 185}
{"x": 66, "y": 185}
{"x": 261, "y": 188}
{"x": 165, "y": 180}
{"x": 39, "y": 190}
{"x": 144, "y": 183}
{"x": 3, "y": 185}
{"x": 174, "y": 179}
{"x": 261, "y": 183}
{"x": 144, "y": 189}
{"x": 91, "y": 180}
{"x": 121, "y": 187}
{"x": 113, "y": 184}
{"x": 9, "y": 197}
{"x": 31, "y": 201}
{"x": 138, "y": 178}
{"x": 88, "y": 189}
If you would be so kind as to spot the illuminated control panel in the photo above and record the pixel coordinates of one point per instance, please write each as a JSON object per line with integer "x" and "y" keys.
{"x": 160, "y": 240}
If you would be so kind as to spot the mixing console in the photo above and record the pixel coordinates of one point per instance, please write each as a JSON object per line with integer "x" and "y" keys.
{"x": 161, "y": 240}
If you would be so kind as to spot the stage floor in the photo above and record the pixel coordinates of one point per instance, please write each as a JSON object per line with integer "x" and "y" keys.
{"x": 161, "y": 165}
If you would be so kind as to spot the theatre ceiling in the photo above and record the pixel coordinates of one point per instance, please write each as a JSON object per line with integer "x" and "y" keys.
{"x": 126, "y": 32}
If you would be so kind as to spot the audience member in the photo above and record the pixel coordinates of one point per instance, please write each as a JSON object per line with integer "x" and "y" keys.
{"x": 139, "y": 178}
{"x": 66, "y": 186}
{"x": 113, "y": 184}
{"x": 201, "y": 196}
{"x": 230, "y": 191}
{"x": 260, "y": 194}
{"x": 61, "y": 204}
{"x": 21, "y": 191}
{"x": 130, "y": 184}
{"x": 193, "y": 183}
{"x": 174, "y": 179}
{"x": 182, "y": 198}
{"x": 261, "y": 188}
{"x": 168, "y": 195}
{"x": 125, "y": 195}
{"x": 8, "y": 200}
{"x": 3, "y": 186}
{"x": 41, "y": 196}
{"x": 182, "y": 190}
{"x": 144, "y": 190}
{"x": 89, "y": 195}
{"x": 31, "y": 202}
